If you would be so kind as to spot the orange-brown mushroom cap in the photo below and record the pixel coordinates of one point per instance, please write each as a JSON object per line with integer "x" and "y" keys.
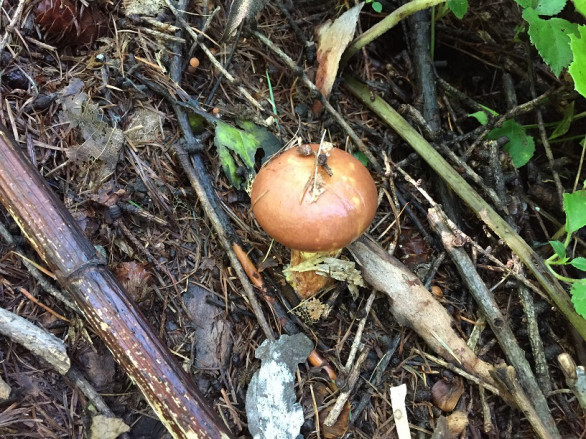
{"x": 282, "y": 201}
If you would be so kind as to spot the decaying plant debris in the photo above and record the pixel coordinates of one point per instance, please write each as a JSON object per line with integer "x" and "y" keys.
{"x": 127, "y": 137}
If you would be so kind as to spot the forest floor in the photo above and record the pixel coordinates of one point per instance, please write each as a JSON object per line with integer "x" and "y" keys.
{"x": 96, "y": 108}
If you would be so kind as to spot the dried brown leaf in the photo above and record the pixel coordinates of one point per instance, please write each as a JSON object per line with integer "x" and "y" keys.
{"x": 332, "y": 39}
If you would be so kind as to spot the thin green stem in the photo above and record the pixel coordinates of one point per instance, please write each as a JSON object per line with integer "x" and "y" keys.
{"x": 568, "y": 239}
{"x": 387, "y": 23}
{"x": 272, "y": 97}
{"x": 560, "y": 262}
{"x": 568, "y": 280}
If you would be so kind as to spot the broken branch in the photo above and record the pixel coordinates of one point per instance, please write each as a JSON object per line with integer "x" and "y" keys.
{"x": 55, "y": 235}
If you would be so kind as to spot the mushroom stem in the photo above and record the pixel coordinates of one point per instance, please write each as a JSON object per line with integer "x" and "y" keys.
{"x": 308, "y": 283}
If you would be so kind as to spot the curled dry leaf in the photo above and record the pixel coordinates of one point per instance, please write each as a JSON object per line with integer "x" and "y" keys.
{"x": 445, "y": 394}
{"x": 107, "y": 428}
{"x": 5, "y": 390}
{"x": 69, "y": 22}
{"x": 100, "y": 150}
{"x": 450, "y": 427}
{"x": 322, "y": 392}
{"x": 135, "y": 278}
{"x": 332, "y": 39}
{"x": 328, "y": 267}
{"x": 301, "y": 273}
{"x": 457, "y": 423}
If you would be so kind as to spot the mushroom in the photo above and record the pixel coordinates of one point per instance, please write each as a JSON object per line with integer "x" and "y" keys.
{"x": 314, "y": 200}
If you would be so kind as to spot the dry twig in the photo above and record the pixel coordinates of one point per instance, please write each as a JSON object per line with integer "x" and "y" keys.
{"x": 543, "y": 421}
{"x": 201, "y": 183}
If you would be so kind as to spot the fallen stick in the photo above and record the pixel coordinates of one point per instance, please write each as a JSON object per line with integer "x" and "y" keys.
{"x": 41, "y": 343}
{"x": 52, "y": 350}
{"x": 497, "y": 322}
{"x": 480, "y": 207}
{"x": 415, "y": 307}
{"x": 315, "y": 359}
{"x": 55, "y": 235}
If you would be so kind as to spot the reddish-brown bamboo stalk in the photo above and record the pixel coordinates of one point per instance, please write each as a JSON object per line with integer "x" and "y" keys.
{"x": 55, "y": 235}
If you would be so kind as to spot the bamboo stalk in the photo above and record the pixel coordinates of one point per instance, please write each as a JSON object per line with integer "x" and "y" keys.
{"x": 55, "y": 235}
{"x": 480, "y": 207}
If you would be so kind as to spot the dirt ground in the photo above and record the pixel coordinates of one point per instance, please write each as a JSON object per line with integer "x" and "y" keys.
{"x": 89, "y": 92}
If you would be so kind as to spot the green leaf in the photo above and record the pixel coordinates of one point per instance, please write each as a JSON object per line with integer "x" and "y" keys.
{"x": 559, "y": 249}
{"x": 544, "y": 7}
{"x": 489, "y": 110}
{"x": 458, "y": 7}
{"x": 565, "y": 123}
{"x": 578, "y": 67}
{"x": 229, "y": 166}
{"x": 480, "y": 116}
{"x": 551, "y": 38}
{"x": 377, "y": 6}
{"x": 196, "y": 122}
{"x": 578, "y": 292}
{"x": 269, "y": 143}
{"x": 575, "y": 208}
{"x": 243, "y": 144}
{"x": 520, "y": 146}
{"x": 580, "y": 6}
{"x": 361, "y": 157}
{"x": 579, "y": 263}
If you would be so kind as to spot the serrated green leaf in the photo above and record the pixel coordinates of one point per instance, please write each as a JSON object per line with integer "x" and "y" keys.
{"x": 575, "y": 208}
{"x": 480, "y": 116}
{"x": 551, "y": 38}
{"x": 565, "y": 123}
{"x": 544, "y": 7}
{"x": 579, "y": 263}
{"x": 578, "y": 292}
{"x": 580, "y": 6}
{"x": 559, "y": 249}
{"x": 578, "y": 67}
{"x": 520, "y": 147}
{"x": 458, "y": 7}
{"x": 244, "y": 145}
